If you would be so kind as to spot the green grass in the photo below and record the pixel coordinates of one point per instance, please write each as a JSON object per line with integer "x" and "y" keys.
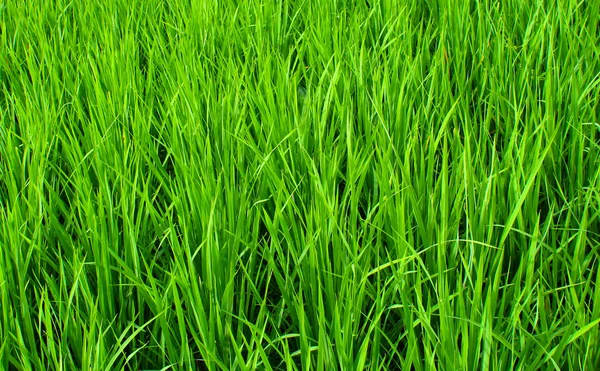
{"x": 299, "y": 185}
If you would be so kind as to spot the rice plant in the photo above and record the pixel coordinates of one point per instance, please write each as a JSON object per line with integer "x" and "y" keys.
{"x": 299, "y": 185}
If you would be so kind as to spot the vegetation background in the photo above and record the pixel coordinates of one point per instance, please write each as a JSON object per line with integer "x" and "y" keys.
{"x": 240, "y": 185}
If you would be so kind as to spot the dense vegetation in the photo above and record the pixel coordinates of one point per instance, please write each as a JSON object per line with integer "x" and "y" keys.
{"x": 239, "y": 185}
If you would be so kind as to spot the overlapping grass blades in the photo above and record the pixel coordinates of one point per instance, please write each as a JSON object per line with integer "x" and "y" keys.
{"x": 299, "y": 185}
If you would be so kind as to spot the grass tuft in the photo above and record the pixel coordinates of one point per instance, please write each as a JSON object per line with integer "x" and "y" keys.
{"x": 299, "y": 185}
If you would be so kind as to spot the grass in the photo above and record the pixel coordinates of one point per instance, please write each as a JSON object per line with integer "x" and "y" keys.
{"x": 370, "y": 185}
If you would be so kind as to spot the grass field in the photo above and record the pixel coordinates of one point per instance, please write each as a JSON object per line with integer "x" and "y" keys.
{"x": 299, "y": 185}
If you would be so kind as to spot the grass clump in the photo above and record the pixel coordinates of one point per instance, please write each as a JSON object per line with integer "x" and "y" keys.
{"x": 299, "y": 185}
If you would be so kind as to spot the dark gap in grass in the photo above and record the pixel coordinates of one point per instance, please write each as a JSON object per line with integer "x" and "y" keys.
{"x": 510, "y": 263}
{"x": 83, "y": 104}
{"x": 279, "y": 362}
{"x": 201, "y": 364}
{"x": 393, "y": 326}
{"x": 264, "y": 237}
{"x": 543, "y": 208}
{"x": 142, "y": 57}
{"x": 341, "y": 186}
{"x": 3, "y": 187}
{"x": 17, "y": 135}
{"x": 165, "y": 159}
{"x": 44, "y": 331}
{"x": 397, "y": 364}
{"x": 427, "y": 14}
{"x": 59, "y": 196}
{"x": 59, "y": 231}
{"x": 496, "y": 138}
{"x": 345, "y": 193}
{"x": 159, "y": 137}
{"x": 5, "y": 167}
{"x": 5, "y": 85}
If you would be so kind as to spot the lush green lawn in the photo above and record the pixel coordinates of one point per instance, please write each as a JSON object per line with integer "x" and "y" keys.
{"x": 311, "y": 185}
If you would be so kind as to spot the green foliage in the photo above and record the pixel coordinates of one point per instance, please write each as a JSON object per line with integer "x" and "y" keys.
{"x": 298, "y": 185}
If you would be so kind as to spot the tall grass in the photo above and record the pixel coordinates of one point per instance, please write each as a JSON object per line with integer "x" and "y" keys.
{"x": 220, "y": 185}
